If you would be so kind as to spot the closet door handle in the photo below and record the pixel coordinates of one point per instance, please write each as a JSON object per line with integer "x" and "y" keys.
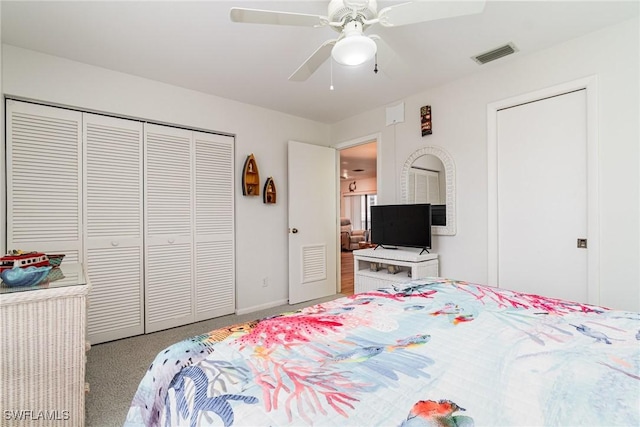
{"x": 171, "y": 240}
{"x": 114, "y": 243}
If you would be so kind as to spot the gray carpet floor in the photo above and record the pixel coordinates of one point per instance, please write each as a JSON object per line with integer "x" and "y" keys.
{"x": 114, "y": 369}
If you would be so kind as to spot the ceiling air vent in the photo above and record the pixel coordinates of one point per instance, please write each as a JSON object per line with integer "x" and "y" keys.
{"x": 494, "y": 54}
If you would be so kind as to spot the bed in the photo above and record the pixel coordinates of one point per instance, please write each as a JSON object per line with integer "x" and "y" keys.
{"x": 434, "y": 352}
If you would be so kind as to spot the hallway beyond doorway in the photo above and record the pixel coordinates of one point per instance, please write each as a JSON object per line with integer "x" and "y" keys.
{"x": 346, "y": 272}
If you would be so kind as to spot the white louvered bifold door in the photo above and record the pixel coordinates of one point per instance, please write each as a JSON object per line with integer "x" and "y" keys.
{"x": 418, "y": 186}
{"x": 214, "y": 226}
{"x": 44, "y": 204}
{"x": 113, "y": 226}
{"x": 169, "y": 257}
{"x": 433, "y": 187}
{"x": 424, "y": 186}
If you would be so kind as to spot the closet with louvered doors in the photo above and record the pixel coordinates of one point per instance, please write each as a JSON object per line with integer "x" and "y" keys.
{"x": 113, "y": 226}
{"x": 44, "y": 179}
{"x": 148, "y": 209}
{"x": 189, "y": 227}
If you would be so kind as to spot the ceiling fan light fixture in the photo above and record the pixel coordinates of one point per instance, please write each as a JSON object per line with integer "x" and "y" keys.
{"x": 355, "y": 48}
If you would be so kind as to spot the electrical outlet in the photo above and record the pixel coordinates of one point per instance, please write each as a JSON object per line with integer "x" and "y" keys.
{"x": 265, "y": 282}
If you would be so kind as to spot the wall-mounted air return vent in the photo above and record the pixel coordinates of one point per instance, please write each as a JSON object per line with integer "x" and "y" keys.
{"x": 494, "y": 54}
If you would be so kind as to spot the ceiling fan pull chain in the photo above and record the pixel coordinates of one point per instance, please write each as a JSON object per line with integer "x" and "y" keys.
{"x": 331, "y": 67}
{"x": 375, "y": 68}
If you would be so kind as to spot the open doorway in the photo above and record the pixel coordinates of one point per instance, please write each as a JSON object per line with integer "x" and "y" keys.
{"x": 358, "y": 192}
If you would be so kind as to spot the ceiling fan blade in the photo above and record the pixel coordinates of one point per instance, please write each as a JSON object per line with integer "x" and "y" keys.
{"x": 426, "y": 10}
{"x": 312, "y": 63}
{"x": 256, "y": 16}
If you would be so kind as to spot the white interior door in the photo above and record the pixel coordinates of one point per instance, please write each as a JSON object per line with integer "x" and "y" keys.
{"x": 542, "y": 196}
{"x": 44, "y": 179}
{"x": 312, "y": 221}
{"x": 169, "y": 261}
{"x": 113, "y": 227}
{"x": 214, "y": 244}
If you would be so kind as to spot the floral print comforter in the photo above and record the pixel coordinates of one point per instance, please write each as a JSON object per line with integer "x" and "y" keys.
{"x": 434, "y": 352}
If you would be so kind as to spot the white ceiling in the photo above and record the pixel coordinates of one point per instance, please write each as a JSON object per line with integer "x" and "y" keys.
{"x": 359, "y": 162}
{"x": 195, "y": 45}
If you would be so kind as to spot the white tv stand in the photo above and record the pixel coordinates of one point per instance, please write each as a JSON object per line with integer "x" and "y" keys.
{"x": 408, "y": 264}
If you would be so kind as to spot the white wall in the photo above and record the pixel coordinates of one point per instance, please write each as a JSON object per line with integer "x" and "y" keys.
{"x": 459, "y": 111}
{"x": 363, "y": 186}
{"x": 261, "y": 230}
{"x": 460, "y": 126}
{"x": 3, "y": 209}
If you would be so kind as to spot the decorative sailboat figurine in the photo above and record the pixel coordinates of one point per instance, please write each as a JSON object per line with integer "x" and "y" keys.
{"x": 250, "y": 177}
{"x": 269, "y": 193}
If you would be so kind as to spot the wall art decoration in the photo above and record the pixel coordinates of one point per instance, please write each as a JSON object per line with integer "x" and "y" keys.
{"x": 425, "y": 120}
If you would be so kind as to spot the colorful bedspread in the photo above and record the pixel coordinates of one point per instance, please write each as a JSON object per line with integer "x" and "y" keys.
{"x": 432, "y": 353}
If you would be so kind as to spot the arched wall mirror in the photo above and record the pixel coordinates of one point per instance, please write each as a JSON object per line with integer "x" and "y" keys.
{"x": 429, "y": 176}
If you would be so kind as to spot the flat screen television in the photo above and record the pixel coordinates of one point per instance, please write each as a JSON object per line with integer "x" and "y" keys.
{"x": 401, "y": 225}
{"x": 439, "y": 215}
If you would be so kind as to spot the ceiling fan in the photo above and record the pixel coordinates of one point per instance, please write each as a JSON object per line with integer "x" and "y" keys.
{"x": 351, "y": 18}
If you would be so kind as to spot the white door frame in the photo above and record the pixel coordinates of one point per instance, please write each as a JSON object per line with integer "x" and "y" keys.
{"x": 593, "y": 208}
{"x": 341, "y": 146}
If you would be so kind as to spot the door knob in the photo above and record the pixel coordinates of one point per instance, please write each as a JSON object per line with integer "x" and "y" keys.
{"x": 294, "y": 230}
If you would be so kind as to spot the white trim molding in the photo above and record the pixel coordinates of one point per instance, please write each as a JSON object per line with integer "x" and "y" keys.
{"x": 590, "y": 84}
{"x": 256, "y": 308}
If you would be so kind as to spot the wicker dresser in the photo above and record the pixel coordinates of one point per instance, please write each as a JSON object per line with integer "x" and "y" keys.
{"x": 43, "y": 351}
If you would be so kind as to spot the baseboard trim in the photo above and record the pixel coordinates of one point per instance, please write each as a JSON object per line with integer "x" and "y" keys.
{"x": 271, "y": 304}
